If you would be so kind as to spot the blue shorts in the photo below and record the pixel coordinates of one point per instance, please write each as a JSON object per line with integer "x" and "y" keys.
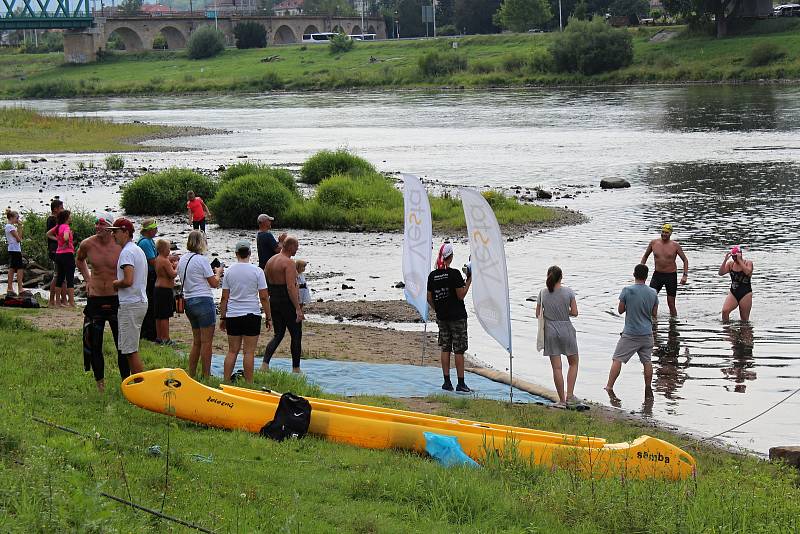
{"x": 201, "y": 312}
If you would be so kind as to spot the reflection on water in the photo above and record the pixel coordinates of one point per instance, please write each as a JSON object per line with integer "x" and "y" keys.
{"x": 743, "y": 362}
{"x": 669, "y": 365}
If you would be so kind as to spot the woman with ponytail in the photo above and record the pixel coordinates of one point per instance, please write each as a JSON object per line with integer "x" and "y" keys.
{"x": 558, "y": 304}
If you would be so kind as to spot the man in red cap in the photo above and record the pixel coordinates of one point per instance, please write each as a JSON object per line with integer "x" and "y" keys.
{"x": 131, "y": 286}
{"x": 100, "y": 253}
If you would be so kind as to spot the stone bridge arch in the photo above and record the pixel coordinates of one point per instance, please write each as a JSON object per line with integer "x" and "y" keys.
{"x": 311, "y": 29}
{"x": 356, "y": 30}
{"x": 130, "y": 38}
{"x": 175, "y": 38}
{"x": 371, "y": 29}
{"x": 284, "y": 35}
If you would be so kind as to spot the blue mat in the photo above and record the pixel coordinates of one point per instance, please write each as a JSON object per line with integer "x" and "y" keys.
{"x": 392, "y": 380}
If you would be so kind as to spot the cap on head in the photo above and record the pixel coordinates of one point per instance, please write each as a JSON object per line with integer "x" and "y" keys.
{"x": 447, "y": 251}
{"x": 667, "y": 228}
{"x": 104, "y": 216}
{"x": 264, "y": 217}
{"x": 149, "y": 224}
{"x": 242, "y": 244}
{"x": 122, "y": 224}
{"x": 736, "y": 250}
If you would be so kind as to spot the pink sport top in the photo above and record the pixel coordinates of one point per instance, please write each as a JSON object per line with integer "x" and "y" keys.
{"x": 64, "y": 246}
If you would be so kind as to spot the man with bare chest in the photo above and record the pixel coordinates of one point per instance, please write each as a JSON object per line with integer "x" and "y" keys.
{"x": 665, "y": 251}
{"x": 284, "y": 303}
{"x": 100, "y": 254}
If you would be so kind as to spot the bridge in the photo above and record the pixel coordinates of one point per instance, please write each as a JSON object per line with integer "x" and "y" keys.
{"x": 85, "y": 35}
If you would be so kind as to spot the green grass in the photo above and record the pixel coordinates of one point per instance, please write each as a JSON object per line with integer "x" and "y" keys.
{"x": 491, "y": 60}
{"x": 50, "y": 480}
{"x": 25, "y": 131}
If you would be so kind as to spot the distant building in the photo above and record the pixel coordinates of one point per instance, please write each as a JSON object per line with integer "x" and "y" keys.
{"x": 155, "y": 9}
{"x": 288, "y": 8}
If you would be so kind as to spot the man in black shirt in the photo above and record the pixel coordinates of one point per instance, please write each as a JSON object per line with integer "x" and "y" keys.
{"x": 446, "y": 292}
{"x": 56, "y": 207}
{"x": 265, "y": 241}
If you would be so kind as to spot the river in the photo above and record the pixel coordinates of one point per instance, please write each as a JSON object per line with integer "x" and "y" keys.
{"x": 722, "y": 163}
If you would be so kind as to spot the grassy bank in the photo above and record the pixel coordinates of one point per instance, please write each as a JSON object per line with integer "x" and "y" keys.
{"x": 491, "y": 60}
{"x": 25, "y": 131}
{"x": 50, "y": 480}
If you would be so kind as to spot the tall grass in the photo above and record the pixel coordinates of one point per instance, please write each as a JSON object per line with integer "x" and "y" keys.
{"x": 164, "y": 192}
{"x": 242, "y": 169}
{"x": 50, "y": 480}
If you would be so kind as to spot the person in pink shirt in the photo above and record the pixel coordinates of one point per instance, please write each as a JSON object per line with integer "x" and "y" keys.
{"x": 62, "y": 234}
{"x": 198, "y": 211}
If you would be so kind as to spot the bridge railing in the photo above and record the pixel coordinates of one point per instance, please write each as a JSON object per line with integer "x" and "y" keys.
{"x": 21, "y": 15}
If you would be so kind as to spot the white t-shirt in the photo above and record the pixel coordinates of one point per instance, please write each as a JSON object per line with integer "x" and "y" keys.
{"x": 303, "y": 292}
{"x": 243, "y": 280}
{"x": 195, "y": 277}
{"x": 13, "y": 244}
{"x": 134, "y": 256}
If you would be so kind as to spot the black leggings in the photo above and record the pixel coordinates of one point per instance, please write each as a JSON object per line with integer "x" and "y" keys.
{"x": 65, "y": 269}
{"x": 284, "y": 317}
{"x": 99, "y": 310}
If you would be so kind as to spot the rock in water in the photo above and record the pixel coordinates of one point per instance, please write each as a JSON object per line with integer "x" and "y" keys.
{"x": 614, "y": 183}
{"x": 790, "y": 455}
{"x": 541, "y": 193}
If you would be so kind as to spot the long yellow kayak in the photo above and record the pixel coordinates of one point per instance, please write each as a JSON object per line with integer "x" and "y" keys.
{"x": 174, "y": 392}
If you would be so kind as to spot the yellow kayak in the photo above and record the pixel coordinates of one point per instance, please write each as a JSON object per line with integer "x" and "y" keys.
{"x": 174, "y": 392}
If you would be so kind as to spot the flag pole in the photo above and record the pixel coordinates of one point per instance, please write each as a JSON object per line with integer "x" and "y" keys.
{"x": 424, "y": 342}
{"x": 511, "y": 381}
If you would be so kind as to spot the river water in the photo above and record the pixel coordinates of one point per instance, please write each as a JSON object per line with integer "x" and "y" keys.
{"x": 720, "y": 163}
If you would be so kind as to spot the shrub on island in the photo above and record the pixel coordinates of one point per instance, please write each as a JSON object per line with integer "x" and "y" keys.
{"x": 326, "y": 163}
{"x": 164, "y": 192}
{"x": 242, "y": 169}
{"x": 240, "y": 201}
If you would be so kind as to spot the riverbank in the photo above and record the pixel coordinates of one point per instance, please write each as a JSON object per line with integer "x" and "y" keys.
{"x": 228, "y": 481}
{"x": 506, "y": 60}
{"x": 27, "y": 132}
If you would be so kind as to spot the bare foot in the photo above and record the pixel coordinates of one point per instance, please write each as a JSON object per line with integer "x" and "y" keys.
{"x": 612, "y": 397}
{"x": 101, "y": 386}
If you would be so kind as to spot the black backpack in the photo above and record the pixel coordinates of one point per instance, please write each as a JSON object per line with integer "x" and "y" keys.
{"x": 291, "y": 418}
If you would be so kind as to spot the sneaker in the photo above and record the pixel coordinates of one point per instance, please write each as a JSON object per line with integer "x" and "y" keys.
{"x": 463, "y": 388}
{"x": 447, "y": 386}
{"x": 168, "y": 342}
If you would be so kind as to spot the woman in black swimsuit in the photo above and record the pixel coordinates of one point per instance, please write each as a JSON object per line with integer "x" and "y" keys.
{"x": 741, "y": 292}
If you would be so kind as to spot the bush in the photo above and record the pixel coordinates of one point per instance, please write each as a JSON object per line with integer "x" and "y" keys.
{"x": 514, "y": 62}
{"x": 240, "y": 201}
{"x": 11, "y": 165}
{"x": 160, "y": 42}
{"x": 445, "y": 30}
{"x": 164, "y": 192}
{"x": 48, "y": 42}
{"x": 50, "y": 89}
{"x": 205, "y": 42}
{"x": 250, "y": 34}
{"x": 341, "y": 43}
{"x": 763, "y": 54}
{"x": 241, "y": 169}
{"x": 115, "y": 162}
{"x": 435, "y": 64}
{"x": 34, "y": 240}
{"x": 541, "y": 61}
{"x": 591, "y": 47}
{"x": 325, "y": 163}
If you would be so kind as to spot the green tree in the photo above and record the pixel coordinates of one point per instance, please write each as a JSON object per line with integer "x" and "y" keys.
{"x": 328, "y": 8}
{"x": 630, "y": 8}
{"x": 581, "y": 11}
{"x": 444, "y": 12}
{"x": 521, "y": 15}
{"x": 475, "y": 16}
{"x": 130, "y": 7}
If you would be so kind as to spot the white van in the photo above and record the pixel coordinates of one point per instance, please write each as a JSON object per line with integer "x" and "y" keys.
{"x": 363, "y": 37}
{"x": 323, "y": 37}
{"x": 787, "y": 10}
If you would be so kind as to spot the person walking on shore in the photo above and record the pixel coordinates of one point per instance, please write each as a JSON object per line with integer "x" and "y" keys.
{"x": 14, "y": 241}
{"x": 665, "y": 251}
{"x": 100, "y": 253}
{"x": 65, "y": 258}
{"x": 639, "y": 303}
{"x": 198, "y": 211}
{"x": 164, "y": 291}
{"x": 56, "y": 207}
{"x": 131, "y": 286}
{"x": 244, "y": 297}
{"x": 284, "y": 303}
{"x": 148, "y": 245}
{"x": 198, "y": 279}
{"x": 446, "y": 292}
{"x": 741, "y": 291}
{"x": 266, "y": 243}
{"x": 558, "y": 304}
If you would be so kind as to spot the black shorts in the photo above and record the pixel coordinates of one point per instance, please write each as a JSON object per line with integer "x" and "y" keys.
{"x": 199, "y": 225}
{"x": 245, "y": 325}
{"x": 164, "y": 303}
{"x": 102, "y": 307}
{"x": 15, "y": 260}
{"x": 670, "y": 280}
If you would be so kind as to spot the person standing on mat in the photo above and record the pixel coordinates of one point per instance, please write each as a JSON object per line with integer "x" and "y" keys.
{"x": 665, "y": 250}
{"x": 639, "y": 303}
{"x": 284, "y": 303}
{"x": 100, "y": 253}
{"x": 446, "y": 292}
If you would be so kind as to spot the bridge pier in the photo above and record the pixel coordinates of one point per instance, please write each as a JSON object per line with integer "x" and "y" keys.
{"x": 80, "y": 46}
